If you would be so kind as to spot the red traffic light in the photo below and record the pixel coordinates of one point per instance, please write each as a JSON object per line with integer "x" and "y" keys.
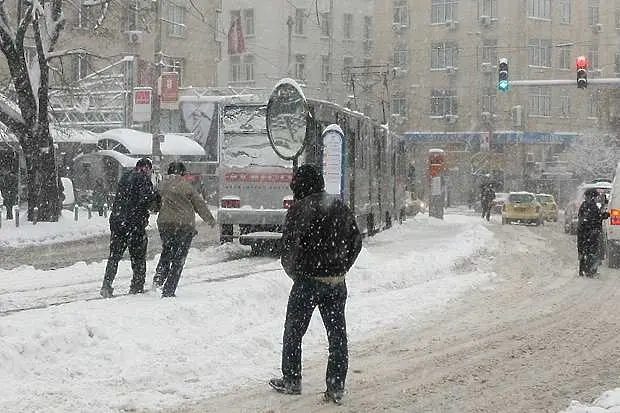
{"x": 582, "y": 62}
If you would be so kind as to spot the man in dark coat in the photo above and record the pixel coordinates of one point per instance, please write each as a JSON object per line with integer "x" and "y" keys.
{"x": 135, "y": 196}
{"x": 487, "y": 195}
{"x": 320, "y": 243}
{"x": 589, "y": 231}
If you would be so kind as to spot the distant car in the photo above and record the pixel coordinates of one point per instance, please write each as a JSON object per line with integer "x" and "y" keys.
{"x": 549, "y": 206}
{"x": 572, "y": 208}
{"x": 498, "y": 202}
{"x": 522, "y": 207}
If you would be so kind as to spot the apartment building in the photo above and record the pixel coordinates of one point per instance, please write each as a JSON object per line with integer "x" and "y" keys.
{"x": 445, "y": 56}
{"x": 326, "y": 45}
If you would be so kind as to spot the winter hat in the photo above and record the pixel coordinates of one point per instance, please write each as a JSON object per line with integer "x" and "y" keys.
{"x": 144, "y": 163}
{"x": 590, "y": 193}
{"x": 307, "y": 180}
{"x": 176, "y": 168}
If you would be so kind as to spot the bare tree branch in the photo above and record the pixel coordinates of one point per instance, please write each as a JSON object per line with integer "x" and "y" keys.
{"x": 4, "y": 19}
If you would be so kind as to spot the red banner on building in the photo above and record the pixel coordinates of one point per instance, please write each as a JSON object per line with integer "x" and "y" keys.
{"x": 169, "y": 90}
{"x": 236, "y": 41}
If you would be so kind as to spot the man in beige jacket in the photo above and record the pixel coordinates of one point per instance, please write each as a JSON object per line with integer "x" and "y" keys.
{"x": 180, "y": 202}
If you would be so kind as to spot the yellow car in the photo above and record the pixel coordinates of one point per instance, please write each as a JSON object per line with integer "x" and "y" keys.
{"x": 522, "y": 207}
{"x": 549, "y": 207}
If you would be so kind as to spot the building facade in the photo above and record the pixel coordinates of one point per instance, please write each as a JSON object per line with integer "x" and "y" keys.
{"x": 326, "y": 45}
{"x": 445, "y": 57}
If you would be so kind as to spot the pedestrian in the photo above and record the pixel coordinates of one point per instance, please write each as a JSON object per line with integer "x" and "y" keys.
{"x": 129, "y": 216}
{"x": 10, "y": 191}
{"x": 180, "y": 202}
{"x": 589, "y": 232}
{"x": 320, "y": 243}
{"x": 487, "y": 195}
{"x": 99, "y": 196}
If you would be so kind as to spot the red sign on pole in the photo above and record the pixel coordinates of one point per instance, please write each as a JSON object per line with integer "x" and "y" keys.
{"x": 142, "y": 104}
{"x": 169, "y": 90}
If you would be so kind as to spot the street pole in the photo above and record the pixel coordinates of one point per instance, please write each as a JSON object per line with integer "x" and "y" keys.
{"x": 157, "y": 70}
{"x": 330, "y": 51}
{"x": 290, "y": 23}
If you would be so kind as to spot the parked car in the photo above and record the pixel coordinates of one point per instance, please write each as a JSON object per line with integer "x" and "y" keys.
{"x": 572, "y": 208}
{"x": 498, "y": 202}
{"x": 522, "y": 207}
{"x": 549, "y": 206}
{"x": 611, "y": 226}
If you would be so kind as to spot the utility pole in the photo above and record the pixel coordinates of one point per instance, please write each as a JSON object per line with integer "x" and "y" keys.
{"x": 157, "y": 70}
{"x": 330, "y": 51}
{"x": 290, "y": 23}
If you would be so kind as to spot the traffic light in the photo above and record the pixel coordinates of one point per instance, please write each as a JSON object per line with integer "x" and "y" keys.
{"x": 502, "y": 84}
{"x": 582, "y": 72}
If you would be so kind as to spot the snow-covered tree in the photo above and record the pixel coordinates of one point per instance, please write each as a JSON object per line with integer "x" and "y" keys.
{"x": 594, "y": 156}
{"x": 40, "y": 22}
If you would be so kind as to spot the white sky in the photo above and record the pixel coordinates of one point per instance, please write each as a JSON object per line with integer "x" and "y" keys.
{"x": 93, "y": 355}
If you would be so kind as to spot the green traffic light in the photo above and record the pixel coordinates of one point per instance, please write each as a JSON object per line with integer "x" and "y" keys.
{"x": 503, "y": 86}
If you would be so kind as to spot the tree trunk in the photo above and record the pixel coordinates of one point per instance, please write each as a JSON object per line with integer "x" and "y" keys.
{"x": 44, "y": 193}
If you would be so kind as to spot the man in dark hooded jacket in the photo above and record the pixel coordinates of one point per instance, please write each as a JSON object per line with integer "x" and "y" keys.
{"x": 129, "y": 216}
{"x": 589, "y": 231}
{"x": 320, "y": 243}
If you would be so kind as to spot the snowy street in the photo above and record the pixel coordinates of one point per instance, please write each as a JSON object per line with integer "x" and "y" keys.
{"x": 458, "y": 315}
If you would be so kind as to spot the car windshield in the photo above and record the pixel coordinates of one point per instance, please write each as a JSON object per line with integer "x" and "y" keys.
{"x": 544, "y": 198}
{"x": 520, "y": 198}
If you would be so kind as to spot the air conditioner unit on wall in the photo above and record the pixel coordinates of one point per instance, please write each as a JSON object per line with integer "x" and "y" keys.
{"x": 486, "y": 116}
{"x": 450, "y": 118}
{"x": 597, "y": 28}
{"x": 451, "y": 70}
{"x": 485, "y": 21}
{"x": 486, "y": 67}
{"x": 134, "y": 37}
{"x": 452, "y": 25}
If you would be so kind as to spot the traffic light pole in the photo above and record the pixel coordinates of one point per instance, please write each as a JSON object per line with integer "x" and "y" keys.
{"x": 602, "y": 82}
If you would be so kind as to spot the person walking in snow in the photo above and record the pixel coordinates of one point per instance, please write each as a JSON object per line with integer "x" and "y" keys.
{"x": 180, "y": 202}
{"x": 487, "y": 195}
{"x": 129, "y": 216}
{"x": 320, "y": 243}
{"x": 589, "y": 231}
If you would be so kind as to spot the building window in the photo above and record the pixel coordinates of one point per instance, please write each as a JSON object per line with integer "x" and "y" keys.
{"x": 248, "y": 18}
{"x": 248, "y": 67}
{"x": 300, "y": 17}
{"x": 174, "y": 64}
{"x": 443, "y": 55}
{"x": 488, "y": 52}
{"x": 540, "y": 101}
{"x": 347, "y": 64}
{"x": 85, "y": 16}
{"x": 325, "y": 69}
{"x": 592, "y": 104}
{"x": 594, "y": 12}
{"x": 325, "y": 24}
{"x": 443, "y": 11}
{"x": 565, "y": 11}
{"x": 401, "y": 13}
{"x": 300, "y": 67}
{"x": 368, "y": 26}
{"x": 565, "y": 57}
{"x": 617, "y": 17}
{"x": 131, "y": 16}
{"x": 235, "y": 69}
{"x": 564, "y": 104}
{"x": 489, "y": 95}
{"x": 401, "y": 57}
{"x": 488, "y": 8}
{"x": 348, "y": 26}
{"x": 539, "y": 53}
{"x": 540, "y": 9}
{"x": 443, "y": 102}
{"x": 80, "y": 67}
{"x": 176, "y": 20}
{"x": 399, "y": 106}
{"x": 593, "y": 57}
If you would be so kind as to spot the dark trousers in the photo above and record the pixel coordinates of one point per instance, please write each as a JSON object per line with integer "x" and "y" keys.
{"x": 137, "y": 241}
{"x": 588, "y": 249}
{"x": 305, "y": 295}
{"x": 175, "y": 246}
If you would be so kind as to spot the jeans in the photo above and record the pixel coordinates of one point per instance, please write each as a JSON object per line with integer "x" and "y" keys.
{"x": 137, "y": 241}
{"x": 175, "y": 247}
{"x": 305, "y": 295}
